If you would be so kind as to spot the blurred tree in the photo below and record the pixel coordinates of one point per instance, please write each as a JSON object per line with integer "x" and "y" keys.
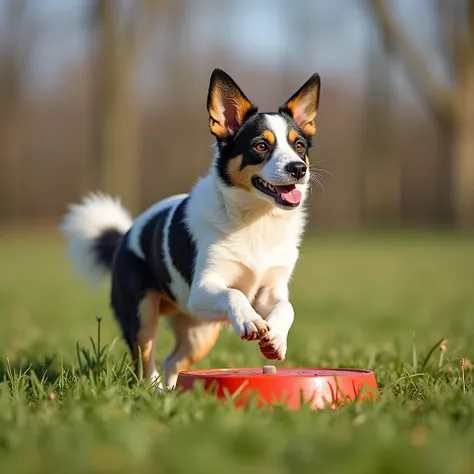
{"x": 122, "y": 31}
{"x": 451, "y": 104}
{"x": 16, "y": 40}
{"x": 381, "y": 170}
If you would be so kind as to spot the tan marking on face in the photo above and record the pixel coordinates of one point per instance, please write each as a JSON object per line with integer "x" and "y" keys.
{"x": 293, "y": 135}
{"x": 242, "y": 178}
{"x": 306, "y": 160}
{"x": 269, "y": 136}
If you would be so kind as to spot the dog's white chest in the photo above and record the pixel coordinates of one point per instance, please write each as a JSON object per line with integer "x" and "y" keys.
{"x": 247, "y": 262}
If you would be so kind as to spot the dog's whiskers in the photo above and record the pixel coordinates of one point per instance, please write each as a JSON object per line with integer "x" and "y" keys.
{"x": 316, "y": 178}
{"x": 320, "y": 170}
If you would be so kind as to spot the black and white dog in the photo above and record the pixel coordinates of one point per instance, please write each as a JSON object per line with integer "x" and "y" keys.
{"x": 226, "y": 251}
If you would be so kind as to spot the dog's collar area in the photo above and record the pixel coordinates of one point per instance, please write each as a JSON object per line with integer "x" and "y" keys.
{"x": 287, "y": 196}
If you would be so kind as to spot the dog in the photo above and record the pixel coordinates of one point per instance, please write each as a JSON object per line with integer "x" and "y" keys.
{"x": 225, "y": 252}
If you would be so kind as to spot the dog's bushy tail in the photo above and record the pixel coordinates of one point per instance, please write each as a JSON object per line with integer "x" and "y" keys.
{"x": 94, "y": 229}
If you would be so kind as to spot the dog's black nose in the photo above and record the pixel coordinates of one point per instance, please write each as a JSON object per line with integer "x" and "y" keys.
{"x": 297, "y": 169}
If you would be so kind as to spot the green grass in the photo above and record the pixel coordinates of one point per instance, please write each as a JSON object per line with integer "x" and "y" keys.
{"x": 373, "y": 301}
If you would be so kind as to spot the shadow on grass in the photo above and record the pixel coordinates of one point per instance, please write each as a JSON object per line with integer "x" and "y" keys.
{"x": 47, "y": 368}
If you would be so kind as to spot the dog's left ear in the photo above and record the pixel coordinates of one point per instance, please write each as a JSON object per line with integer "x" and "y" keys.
{"x": 227, "y": 105}
{"x": 303, "y": 105}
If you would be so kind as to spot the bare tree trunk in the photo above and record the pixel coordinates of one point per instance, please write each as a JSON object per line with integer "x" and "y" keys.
{"x": 11, "y": 159}
{"x": 14, "y": 49}
{"x": 117, "y": 119}
{"x": 120, "y": 164}
{"x": 381, "y": 186}
{"x": 116, "y": 147}
{"x": 444, "y": 174}
{"x": 453, "y": 106}
{"x": 116, "y": 114}
{"x": 463, "y": 133}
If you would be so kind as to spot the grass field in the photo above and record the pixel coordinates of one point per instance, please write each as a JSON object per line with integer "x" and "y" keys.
{"x": 374, "y": 301}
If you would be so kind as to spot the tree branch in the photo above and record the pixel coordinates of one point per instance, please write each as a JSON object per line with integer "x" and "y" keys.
{"x": 453, "y": 38}
{"x": 437, "y": 95}
{"x": 471, "y": 24}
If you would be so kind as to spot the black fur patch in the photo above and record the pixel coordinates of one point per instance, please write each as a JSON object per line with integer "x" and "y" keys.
{"x": 105, "y": 247}
{"x": 131, "y": 279}
{"x": 181, "y": 244}
{"x": 151, "y": 242}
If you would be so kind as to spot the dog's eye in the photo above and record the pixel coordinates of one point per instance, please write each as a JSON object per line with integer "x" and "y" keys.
{"x": 261, "y": 146}
{"x": 299, "y": 146}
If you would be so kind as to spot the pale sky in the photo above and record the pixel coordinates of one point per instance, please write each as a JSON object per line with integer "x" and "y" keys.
{"x": 258, "y": 31}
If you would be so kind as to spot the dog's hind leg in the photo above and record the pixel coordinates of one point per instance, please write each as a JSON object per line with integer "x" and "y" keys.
{"x": 150, "y": 308}
{"x": 148, "y": 312}
{"x": 193, "y": 341}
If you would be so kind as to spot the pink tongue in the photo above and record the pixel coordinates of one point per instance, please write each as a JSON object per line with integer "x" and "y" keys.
{"x": 293, "y": 196}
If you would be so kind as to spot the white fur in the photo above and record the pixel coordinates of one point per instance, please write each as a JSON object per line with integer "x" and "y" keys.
{"x": 141, "y": 221}
{"x": 274, "y": 171}
{"x": 243, "y": 243}
{"x": 84, "y": 223}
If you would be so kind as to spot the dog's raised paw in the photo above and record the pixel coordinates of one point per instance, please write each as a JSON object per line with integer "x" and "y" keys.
{"x": 273, "y": 348}
{"x": 254, "y": 330}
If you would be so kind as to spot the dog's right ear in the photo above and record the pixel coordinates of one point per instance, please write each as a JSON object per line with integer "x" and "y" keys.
{"x": 227, "y": 105}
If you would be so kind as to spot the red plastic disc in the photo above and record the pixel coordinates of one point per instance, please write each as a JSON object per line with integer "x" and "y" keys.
{"x": 320, "y": 388}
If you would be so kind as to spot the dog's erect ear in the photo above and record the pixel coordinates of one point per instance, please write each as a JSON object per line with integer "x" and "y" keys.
{"x": 302, "y": 105}
{"x": 227, "y": 105}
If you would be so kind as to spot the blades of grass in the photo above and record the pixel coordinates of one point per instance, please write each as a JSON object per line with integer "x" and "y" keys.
{"x": 87, "y": 357}
{"x": 79, "y": 358}
{"x": 236, "y": 395}
{"x": 112, "y": 345}
{"x": 61, "y": 375}
{"x": 44, "y": 377}
{"x": 94, "y": 348}
{"x": 430, "y": 353}
{"x": 140, "y": 364}
{"x": 38, "y": 385}
{"x": 103, "y": 353}
{"x": 133, "y": 372}
{"x": 441, "y": 359}
{"x": 99, "y": 352}
{"x": 462, "y": 363}
{"x": 414, "y": 353}
{"x": 410, "y": 376}
{"x": 8, "y": 370}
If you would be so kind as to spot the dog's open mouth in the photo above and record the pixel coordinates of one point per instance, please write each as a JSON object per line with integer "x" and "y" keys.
{"x": 284, "y": 195}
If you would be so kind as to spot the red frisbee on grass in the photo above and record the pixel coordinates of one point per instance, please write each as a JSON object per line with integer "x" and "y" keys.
{"x": 319, "y": 388}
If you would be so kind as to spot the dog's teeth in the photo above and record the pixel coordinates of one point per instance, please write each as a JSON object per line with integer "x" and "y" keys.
{"x": 266, "y": 184}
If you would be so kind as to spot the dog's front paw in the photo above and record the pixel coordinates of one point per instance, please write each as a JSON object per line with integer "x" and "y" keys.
{"x": 273, "y": 347}
{"x": 252, "y": 329}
